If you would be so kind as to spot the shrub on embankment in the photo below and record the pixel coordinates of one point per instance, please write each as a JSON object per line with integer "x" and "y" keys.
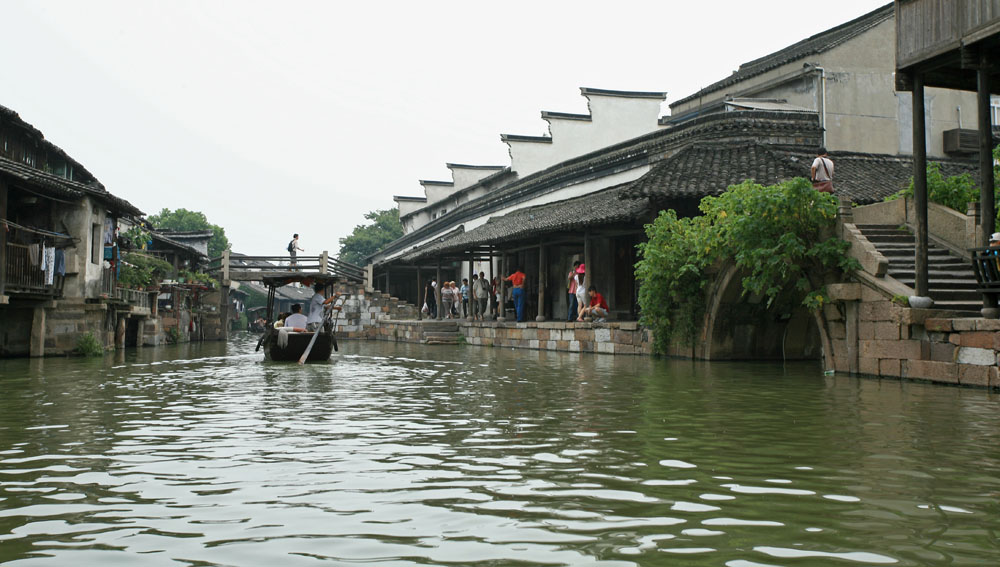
{"x": 778, "y": 236}
{"x": 956, "y": 191}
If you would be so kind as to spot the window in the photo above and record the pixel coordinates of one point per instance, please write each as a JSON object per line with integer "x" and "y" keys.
{"x": 96, "y": 244}
{"x": 995, "y": 110}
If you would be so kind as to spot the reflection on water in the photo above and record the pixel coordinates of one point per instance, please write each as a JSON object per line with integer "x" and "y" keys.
{"x": 411, "y": 455}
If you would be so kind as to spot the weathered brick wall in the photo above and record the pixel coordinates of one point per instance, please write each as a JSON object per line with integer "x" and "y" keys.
{"x": 71, "y": 318}
{"x": 898, "y": 341}
{"x": 363, "y": 311}
{"x": 605, "y": 338}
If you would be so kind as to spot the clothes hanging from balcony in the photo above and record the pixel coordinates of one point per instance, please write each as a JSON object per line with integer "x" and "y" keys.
{"x": 60, "y": 259}
{"x": 34, "y": 254}
{"x": 49, "y": 264}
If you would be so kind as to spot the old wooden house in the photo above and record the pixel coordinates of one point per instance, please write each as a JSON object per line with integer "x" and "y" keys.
{"x": 57, "y": 247}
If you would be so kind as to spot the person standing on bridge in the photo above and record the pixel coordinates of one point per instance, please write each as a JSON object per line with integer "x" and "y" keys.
{"x": 293, "y": 249}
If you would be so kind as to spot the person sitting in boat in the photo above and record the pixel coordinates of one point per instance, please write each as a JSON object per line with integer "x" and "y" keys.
{"x": 280, "y": 321}
{"x": 296, "y": 321}
{"x": 317, "y": 305}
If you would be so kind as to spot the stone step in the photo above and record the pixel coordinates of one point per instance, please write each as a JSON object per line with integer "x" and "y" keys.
{"x": 434, "y": 335}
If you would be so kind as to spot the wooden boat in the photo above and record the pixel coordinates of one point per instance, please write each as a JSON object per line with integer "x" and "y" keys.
{"x": 286, "y": 345}
{"x": 325, "y": 345}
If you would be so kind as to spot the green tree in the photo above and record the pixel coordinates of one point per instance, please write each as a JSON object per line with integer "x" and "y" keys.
{"x": 367, "y": 239}
{"x": 183, "y": 219}
{"x": 779, "y": 236}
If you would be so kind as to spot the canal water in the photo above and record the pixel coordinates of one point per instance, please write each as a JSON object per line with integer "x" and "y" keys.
{"x": 399, "y": 455}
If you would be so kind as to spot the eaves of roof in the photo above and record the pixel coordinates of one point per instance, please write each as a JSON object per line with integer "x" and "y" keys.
{"x": 601, "y": 208}
{"x": 15, "y": 118}
{"x": 819, "y": 43}
{"x": 60, "y": 187}
{"x": 619, "y": 157}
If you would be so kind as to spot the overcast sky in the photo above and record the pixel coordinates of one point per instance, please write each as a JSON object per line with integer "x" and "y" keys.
{"x": 282, "y": 117}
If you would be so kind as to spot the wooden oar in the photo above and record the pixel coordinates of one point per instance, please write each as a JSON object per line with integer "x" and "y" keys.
{"x": 312, "y": 341}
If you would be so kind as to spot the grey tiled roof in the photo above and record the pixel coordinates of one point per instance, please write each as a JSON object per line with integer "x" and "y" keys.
{"x": 60, "y": 187}
{"x": 709, "y": 168}
{"x": 813, "y": 45}
{"x": 596, "y": 209}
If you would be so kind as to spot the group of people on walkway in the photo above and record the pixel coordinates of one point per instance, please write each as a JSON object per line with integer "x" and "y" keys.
{"x": 467, "y": 300}
{"x": 479, "y": 299}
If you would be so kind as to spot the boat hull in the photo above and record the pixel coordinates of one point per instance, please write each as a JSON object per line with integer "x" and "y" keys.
{"x": 324, "y": 346}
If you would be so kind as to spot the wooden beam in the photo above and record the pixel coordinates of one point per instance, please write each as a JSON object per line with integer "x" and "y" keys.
{"x": 920, "y": 186}
{"x": 987, "y": 206}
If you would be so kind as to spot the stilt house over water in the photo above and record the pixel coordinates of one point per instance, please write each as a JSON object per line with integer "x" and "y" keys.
{"x": 57, "y": 245}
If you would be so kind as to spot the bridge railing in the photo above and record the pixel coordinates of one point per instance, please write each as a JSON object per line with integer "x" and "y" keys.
{"x": 244, "y": 266}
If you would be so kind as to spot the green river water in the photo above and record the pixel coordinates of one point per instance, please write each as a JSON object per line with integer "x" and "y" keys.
{"x": 399, "y": 455}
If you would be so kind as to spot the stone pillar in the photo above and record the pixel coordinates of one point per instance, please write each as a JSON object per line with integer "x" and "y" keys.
{"x": 120, "y": 331}
{"x": 324, "y": 262}
{"x": 542, "y": 265}
{"x": 920, "y": 185}
{"x": 37, "y": 345}
{"x": 224, "y": 311}
{"x": 853, "y": 344}
{"x": 986, "y": 189}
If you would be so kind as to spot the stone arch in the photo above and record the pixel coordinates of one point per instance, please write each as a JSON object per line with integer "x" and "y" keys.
{"x": 743, "y": 328}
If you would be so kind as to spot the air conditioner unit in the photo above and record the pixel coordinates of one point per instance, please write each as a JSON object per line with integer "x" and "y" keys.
{"x": 961, "y": 141}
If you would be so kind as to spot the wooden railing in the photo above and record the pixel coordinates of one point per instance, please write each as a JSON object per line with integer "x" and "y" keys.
{"x": 255, "y": 267}
{"x": 25, "y": 276}
{"x": 134, "y": 297}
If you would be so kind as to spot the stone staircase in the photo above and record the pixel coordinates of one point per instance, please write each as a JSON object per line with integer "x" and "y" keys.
{"x": 440, "y": 332}
{"x": 951, "y": 281}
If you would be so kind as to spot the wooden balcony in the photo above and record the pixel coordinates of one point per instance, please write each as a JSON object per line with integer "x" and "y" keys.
{"x": 26, "y": 278}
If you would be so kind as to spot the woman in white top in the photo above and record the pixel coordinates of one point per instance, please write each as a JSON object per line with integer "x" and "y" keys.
{"x": 581, "y": 292}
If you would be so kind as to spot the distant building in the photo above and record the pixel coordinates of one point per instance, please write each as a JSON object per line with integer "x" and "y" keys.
{"x": 584, "y": 191}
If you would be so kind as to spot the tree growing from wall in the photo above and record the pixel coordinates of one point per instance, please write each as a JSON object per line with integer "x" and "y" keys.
{"x": 183, "y": 219}
{"x": 367, "y": 239}
{"x": 779, "y": 236}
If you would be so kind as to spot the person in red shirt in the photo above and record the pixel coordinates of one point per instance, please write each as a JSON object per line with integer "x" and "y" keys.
{"x": 598, "y": 308}
{"x": 517, "y": 281}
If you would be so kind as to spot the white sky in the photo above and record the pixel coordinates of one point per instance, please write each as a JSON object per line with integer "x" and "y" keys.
{"x": 282, "y": 117}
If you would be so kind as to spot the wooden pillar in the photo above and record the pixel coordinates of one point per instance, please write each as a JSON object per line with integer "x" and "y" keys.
{"x": 920, "y": 185}
{"x": 3, "y": 243}
{"x": 501, "y": 296}
{"x": 224, "y": 306}
{"x": 437, "y": 290}
{"x": 420, "y": 297}
{"x": 386, "y": 290}
{"x": 472, "y": 270}
{"x": 587, "y": 252}
{"x": 542, "y": 265}
{"x": 492, "y": 299}
{"x": 987, "y": 205}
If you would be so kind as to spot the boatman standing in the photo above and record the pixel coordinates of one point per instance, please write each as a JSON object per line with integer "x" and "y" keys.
{"x": 316, "y": 307}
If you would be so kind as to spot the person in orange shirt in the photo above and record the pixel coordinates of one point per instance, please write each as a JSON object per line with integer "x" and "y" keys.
{"x": 517, "y": 281}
